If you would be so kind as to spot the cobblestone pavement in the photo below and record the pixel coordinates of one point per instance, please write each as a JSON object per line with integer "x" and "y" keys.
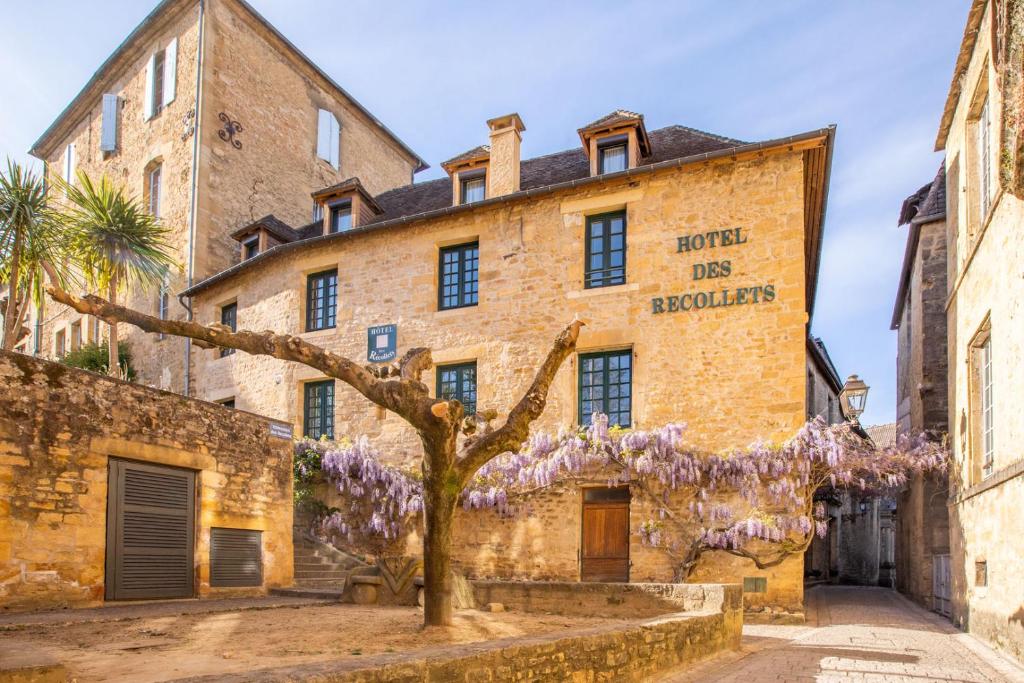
{"x": 867, "y": 635}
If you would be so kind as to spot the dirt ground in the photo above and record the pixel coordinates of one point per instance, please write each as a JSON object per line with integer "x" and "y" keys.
{"x": 168, "y": 647}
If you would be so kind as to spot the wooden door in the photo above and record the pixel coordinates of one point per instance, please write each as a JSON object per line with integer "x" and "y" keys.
{"x": 605, "y": 542}
{"x": 150, "y": 531}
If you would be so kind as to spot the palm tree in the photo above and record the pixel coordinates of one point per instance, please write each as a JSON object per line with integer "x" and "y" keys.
{"x": 115, "y": 242}
{"x": 30, "y": 246}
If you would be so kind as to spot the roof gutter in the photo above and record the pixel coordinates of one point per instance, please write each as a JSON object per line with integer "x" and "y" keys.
{"x": 515, "y": 197}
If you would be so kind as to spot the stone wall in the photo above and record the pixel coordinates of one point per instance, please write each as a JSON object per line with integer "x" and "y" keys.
{"x": 252, "y": 77}
{"x": 636, "y": 650}
{"x": 922, "y": 519}
{"x": 59, "y": 427}
{"x": 986, "y": 296}
{"x": 697, "y": 366}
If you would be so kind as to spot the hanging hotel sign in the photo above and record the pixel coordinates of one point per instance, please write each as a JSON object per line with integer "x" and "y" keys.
{"x": 381, "y": 343}
{"x": 712, "y": 270}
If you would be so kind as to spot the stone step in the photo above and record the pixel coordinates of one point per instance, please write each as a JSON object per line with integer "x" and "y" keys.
{"x": 337, "y": 575}
{"x": 308, "y": 592}
{"x": 329, "y": 584}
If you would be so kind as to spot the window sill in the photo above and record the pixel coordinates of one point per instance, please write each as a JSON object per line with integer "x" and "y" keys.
{"x": 447, "y": 312}
{"x": 997, "y": 478}
{"x": 596, "y": 291}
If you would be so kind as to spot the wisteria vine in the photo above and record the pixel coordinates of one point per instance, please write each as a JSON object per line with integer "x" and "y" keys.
{"x": 757, "y": 502}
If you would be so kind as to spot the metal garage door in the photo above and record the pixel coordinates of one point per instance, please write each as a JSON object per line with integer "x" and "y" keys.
{"x": 150, "y": 531}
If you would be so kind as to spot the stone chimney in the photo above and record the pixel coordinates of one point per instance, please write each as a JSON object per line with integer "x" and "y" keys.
{"x": 503, "y": 167}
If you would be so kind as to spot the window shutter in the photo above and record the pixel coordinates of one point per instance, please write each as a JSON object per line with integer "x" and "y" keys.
{"x": 170, "y": 71}
{"x": 147, "y": 103}
{"x": 108, "y": 132}
{"x": 327, "y": 137}
{"x": 69, "y": 163}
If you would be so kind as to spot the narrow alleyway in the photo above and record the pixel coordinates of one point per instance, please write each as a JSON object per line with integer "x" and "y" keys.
{"x": 857, "y": 634}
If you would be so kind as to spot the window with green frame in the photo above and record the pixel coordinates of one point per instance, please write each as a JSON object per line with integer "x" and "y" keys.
{"x": 318, "y": 409}
{"x": 321, "y": 300}
{"x": 606, "y": 386}
{"x": 458, "y": 284}
{"x": 458, "y": 382}
{"x": 229, "y": 318}
{"x": 605, "y": 263}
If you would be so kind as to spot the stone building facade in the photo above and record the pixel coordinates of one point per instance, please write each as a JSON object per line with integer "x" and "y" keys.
{"x": 919, "y": 316}
{"x": 985, "y": 326}
{"x": 692, "y": 258}
{"x": 213, "y": 119}
{"x": 205, "y": 508}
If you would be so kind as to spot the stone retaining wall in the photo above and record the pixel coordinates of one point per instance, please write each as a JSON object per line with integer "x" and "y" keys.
{"x": 635, "y": 650}
{"x": 59, "y": 428}
{"x": 625, "y": 600}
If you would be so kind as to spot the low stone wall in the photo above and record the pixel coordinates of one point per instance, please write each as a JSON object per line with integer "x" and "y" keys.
{"x": 636, "y": 650}
{"x": 623, "y": 600}
{"x": 59, "y": 429}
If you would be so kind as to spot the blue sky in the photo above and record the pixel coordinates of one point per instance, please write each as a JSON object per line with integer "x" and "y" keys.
{"x": 434, "y": 72}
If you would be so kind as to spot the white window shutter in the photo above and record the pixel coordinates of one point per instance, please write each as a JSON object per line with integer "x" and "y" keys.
{"x": 108, "y": 127}
{"x": 335, "y": 143}
{"x": 323, "y": 134}
{"x": 170, "y": 71}
{"x": 69, "y": 164}
{"x": 147, "y": 103}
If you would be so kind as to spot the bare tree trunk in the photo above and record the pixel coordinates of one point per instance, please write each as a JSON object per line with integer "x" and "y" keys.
{"x": 446, "y": 468}
{"x": 11, "y": 317}
{"x": 113, "y": 360}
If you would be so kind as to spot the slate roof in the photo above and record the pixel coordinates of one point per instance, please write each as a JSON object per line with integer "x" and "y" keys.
{"x": 672, "y": 142}
{"x": 671, "y": 146}
{"x": 926, "y": 205}
{"x": 271, "y": 224}
{"x": 883, "y": 435}
{"x": 476, "y": 152}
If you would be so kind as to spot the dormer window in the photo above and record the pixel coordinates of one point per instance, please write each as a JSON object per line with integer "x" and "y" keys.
{"x": 612, "y": 154}
{"x": 250, "y": 247}
{"x": 474, "y": 186}
{"x": 341, "y": 217}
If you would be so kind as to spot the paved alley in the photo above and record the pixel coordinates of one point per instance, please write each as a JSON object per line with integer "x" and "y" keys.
{"x": 857, "y": 634}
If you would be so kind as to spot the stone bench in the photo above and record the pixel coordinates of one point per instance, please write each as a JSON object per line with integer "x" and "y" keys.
{"x": 365, "y": 589}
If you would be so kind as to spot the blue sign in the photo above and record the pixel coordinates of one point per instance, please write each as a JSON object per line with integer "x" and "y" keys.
{"x": 381, "y": 343}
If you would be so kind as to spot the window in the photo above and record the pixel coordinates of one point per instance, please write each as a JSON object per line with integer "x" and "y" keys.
{"x": 810, "y": 395}
{"x": 70, "y": 163}
{"x": 459, "y": 285}
{"x": 318, "y": 212}
{"x": 229, "y": 318}
{"x": 37, "y": 343}
{"x": 153, "y": 189}
{"x": 987, "y": 428}
{"x": 227, "y": 402}
{"x": 473, "y": 186}
{"x": 981, "y": 573}
{"x": 76, "y": 335}
{"x": 605, "y": 384}
{"x": 108, "y": 124}
{"x": 318, "y": 409}
{"x": 755, "y": 584}
{"x": 321, "y": 300}
{"x": 59, "y": 347}
{"x": 160, "y": 80}
{"x": 96, "y": 330}
{"x": 605, "y": 250}
{"x": 250, "y": 247}
{"x": 611, "y": 154}
{"x": 458, "y": 382}
{"x": 982, "y": 130}
{"x": 328, "y": 138}
{"x": 341, "y": 217}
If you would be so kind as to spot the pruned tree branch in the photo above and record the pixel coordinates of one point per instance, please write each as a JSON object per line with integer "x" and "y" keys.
{"x": 388, "y": 394}
{"x": 511, "y": 435}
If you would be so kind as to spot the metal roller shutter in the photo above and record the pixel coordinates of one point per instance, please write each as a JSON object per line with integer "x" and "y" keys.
{"x": 150, "y": 531}
{"x": 236, "y": 557}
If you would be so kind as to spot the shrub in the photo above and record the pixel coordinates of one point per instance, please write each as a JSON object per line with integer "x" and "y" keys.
{"x": 94, "y": 357}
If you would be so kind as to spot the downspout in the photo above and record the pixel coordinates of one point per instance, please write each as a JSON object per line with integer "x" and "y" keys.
{"x": 194, "y": 199}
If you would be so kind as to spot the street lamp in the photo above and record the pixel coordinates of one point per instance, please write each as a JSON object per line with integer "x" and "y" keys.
{"x": 854, "y": 397}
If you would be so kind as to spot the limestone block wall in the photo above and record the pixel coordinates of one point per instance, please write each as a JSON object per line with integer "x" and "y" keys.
{"x": 985, "y": 292}
{"x": 733, "y": 374}
{"x": 60, "y": 426}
